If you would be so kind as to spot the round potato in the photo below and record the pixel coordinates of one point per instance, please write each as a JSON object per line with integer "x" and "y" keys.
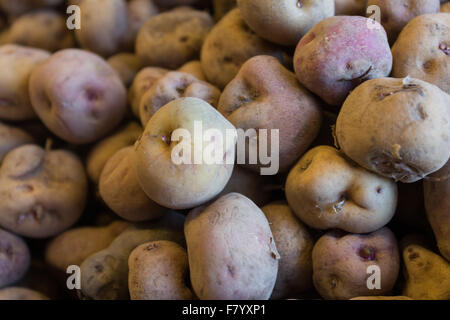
{"x": 16, "y": 293}
{"x": 127, "y": 65}
{"x": 12, "y": 137}
{"x": 14, "y": 258}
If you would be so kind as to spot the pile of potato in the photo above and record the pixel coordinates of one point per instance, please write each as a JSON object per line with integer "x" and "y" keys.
{"x": 87, "y": 182}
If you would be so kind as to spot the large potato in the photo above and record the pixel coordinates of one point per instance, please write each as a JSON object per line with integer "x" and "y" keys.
{"x": 398, "y": 128}
{"x": 14, "y": 258}
{"x": 12, "y": 137}
{"x": 42, "y": 193}
{"x": 231, "y": 250}
{"x": 77, "y": 95}
{"x": 326, "y": 190}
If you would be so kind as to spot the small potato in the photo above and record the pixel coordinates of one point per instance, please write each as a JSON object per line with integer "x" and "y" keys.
{"x": 73, "y": 246}
{"x": 341, "y": 262}
{"x": 104, "y": 26}
{"x": 106, "y": 148}
{"x": 427, "y": 274}
{"x": 120, "y": 189}
{"x": 350, "y": 7}
{"x": 158, "y": 271}
{"x": 139, "y": 11}
{"x": 284, "y": 22}
{"x": 187, "y": 184}
{"x": 77, "y": 95}
{"x": 17, "y": 63}
{"x": 222, "y": 7}
{"x": 14, "y": 258}
{"x": 173, "y": 38}
{"x": 231, "y": 250}
{"x": 265, "y": 95}
{"x": 42, "y": 193}
{"x": 172, "y": 86}
{"x": 294, "y": 243}
{"x": 395, "y": 15}
{"x": 16, "y": 293}
{"x": 104, "y": 275}
{"x": 398, "y": 128}
{"x": 326, "y": 190}
{"x": 127, "y": 65}
{"x": 195, "y": 68}
{"x": 12, "y": 137}
{"x": 339, "y": 53}
{"x": 422, "y": 50}
{"x": 229, "y": 44}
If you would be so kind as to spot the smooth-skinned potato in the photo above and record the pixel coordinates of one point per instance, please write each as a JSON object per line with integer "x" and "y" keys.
{"x": 14, "y": 258}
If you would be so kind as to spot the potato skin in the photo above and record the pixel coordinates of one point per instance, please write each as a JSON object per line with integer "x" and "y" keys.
{"x": 42, "y": 193}
{"x": 96, "y": 95}
{"x": 126, "y": 65}
{"x": 350, "y": 7}
{"x": 231, "y": 250}
{"x": 326, "y": 190}
{"x": 158, "y": 271}
{"x": 14, "y": 258}
{"x": 16, "y": 293}
{"x": 12, "y": 137}
{"x": 17, "y": 63}
{"x": 294, "y": 243}
{"x": 193, "y": 67}
{"x": 398, "y": 128}
{"x": 427, "y": 59}
{"x": 340, "y": 263}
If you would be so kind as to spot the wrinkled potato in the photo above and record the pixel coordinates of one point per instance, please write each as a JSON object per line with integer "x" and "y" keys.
{"x": 158, "y": 271}
{"x": 195, "y": 68}
{"x": 222, "y": 7}
{"x": 427, "y": 274}
{"x": 422, "y": 50}
{"x": 16, "y": 293}
{"x": 12, "y": 137}
{"x": 127, "y": 65}
{"x": 14, "y": 258}
{"x": 341, "y": 262}
{"x": 350, "y": 7}
{"x": 120, "y": 189}
{"x": 398, "y": 128}
{"x": 42, "y": 193}
{"x": 326, "y": 190}
{"x": 17, "y": 63}
{"x": 171, "y": 86}
{"x": 395, "y": 15}
{"x": 284, "y": 22}
{"x": 73, "y": 246}
{"x": 173, "y": 38}
{"x": 265, "y": 95}
{"x": 104, "y": 275}
{"x": 229, "y": 44}
{"x": 183, "y": 185}
{"x": 294, "y": 243}
{"x": 231, "y": 250}
{"x": 82, "y": 97}
{"x": 106, "y": 148}
{"x": 339, "y": 53}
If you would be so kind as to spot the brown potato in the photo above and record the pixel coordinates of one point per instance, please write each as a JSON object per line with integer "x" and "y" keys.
{"x": 14, "y": 258}
{"x": 16, "y": 293}
{"x": 127, "y": 65}
{"x": 12, "y": 137}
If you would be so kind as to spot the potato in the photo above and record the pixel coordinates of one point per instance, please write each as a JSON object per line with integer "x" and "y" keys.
{"x": 326, "y": 190}
{"x": 382, "y": 298}
{"x": 222, "y": 7}
{"x": 437, "y": 204}
{"x": 106, "y": 148}
{"x": 104, "y": 26}
{"x": 284, "y": 22}
{"x": 173, "y": 38}
{"x": 395, "y": 15}
{"x": 422, "y": 50}
{"x": 231, "y": 250}
{"x": 445, "y": 7}
{"x": 104, "y": 275}
{"x": 427, "y": 274}
{"x": 16, "y": 8}
{"x": 339, "y": 53}
{"x": 44, "y": 29}
{"x": 77, "y": 95}
{"x": 42, "y": 193}
{"x": 120, "y": 189}
{"x": 127, "y": 65}
{"x": 350, "y": 7}
{"x": 73, "y": 246}
{"x": 184, "y": 185}
{"x": 398, "y": 128}
{"x": 341, "y": 263}
{"x": 16, "y": 293}
{"x": 139, "y": 11}
{"x": 294, "y": 243}
{"x": 265, "y": 95}
{"x": 17, "y": 63}
{"x": 12, "y": 137}
{"x": 14, "y": 258}
{"x": 229, "y": 44}
{"x": 171, "y": 86}
{"x": 142, "y": 82}
{"x": 195, "y": 68}
{"x": 158, "y": 271}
